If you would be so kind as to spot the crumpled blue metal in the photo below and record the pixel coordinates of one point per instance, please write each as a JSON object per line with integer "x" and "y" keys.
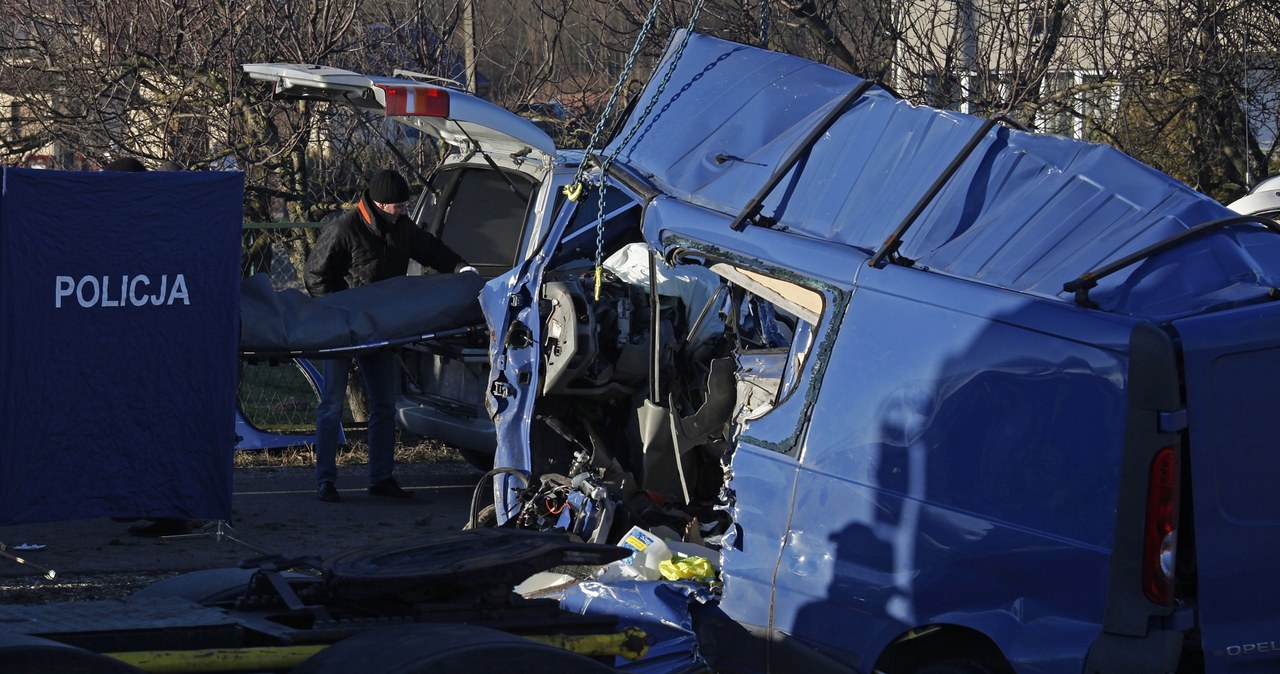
{"x": 660, "y": 608}
{"x": 1024, "y": 211}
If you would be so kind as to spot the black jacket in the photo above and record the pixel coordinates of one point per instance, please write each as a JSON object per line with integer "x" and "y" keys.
{"x": 364, "y": 245}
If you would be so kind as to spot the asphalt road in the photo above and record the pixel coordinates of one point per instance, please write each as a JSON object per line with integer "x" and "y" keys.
{"x": 274, "y": 509}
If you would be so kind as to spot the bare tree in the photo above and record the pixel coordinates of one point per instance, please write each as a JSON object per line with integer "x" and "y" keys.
{"x": 1169, "y": 82}
{"x": 1190, "y": 86}
{"x": 84, "y": 82}
{"x": 1205, "y": 69}
{"x": 160, "y": 79}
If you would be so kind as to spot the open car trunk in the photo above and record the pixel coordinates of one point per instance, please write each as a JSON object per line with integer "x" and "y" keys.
{"x": 482, "y": 216}
{"x": 478, "y": 200}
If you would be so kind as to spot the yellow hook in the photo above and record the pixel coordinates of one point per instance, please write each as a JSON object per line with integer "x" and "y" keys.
{"x": 573, "y": 191}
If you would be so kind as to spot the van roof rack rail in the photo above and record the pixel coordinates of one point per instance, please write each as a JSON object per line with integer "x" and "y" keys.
{"x": 1082, "y": 284}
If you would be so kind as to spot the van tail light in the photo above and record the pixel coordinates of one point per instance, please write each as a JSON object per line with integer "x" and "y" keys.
{"x": 415, "y": 101}
{"x": 1160, "y": 535}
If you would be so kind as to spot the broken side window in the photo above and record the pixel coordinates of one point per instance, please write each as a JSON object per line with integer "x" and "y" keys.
{"x": 772, "y": 325}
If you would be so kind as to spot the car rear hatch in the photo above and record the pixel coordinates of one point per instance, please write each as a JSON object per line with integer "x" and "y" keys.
{"x": 456, "y": 117}
{"x": 487, "y": 185}
{"x": 1232, "y": 377}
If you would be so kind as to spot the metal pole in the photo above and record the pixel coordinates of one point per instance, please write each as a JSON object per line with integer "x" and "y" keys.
{"x": 1248, "y": 173}
{"x": 469, "y": 42}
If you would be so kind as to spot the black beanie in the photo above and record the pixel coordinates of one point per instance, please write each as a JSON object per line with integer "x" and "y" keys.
{"x": 125, "y": 164}
{"x": 388, "y": 187}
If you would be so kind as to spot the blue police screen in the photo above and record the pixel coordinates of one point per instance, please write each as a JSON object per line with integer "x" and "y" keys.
{"x": 120, "y": 320}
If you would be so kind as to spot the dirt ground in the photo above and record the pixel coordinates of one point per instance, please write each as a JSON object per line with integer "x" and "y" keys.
{"x": 275, "y": 511}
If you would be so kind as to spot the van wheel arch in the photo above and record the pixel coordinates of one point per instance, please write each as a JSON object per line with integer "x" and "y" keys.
{"x": 943, "y": 649}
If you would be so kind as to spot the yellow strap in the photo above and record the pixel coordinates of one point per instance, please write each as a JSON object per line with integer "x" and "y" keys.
{"x": 599, "y": 280}
{"x": 266, "y": 658}
{"x": 631, "y": 643}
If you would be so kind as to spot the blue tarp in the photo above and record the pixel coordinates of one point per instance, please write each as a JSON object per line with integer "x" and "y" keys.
{"x": 118, "y": 352}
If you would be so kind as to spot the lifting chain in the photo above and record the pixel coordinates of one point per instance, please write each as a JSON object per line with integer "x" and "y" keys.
{"x": 764, "y": 24}
{"x": 575, "y": 187}
{"x": 631, "y": 132}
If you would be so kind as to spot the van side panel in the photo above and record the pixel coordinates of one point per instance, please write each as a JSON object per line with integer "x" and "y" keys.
{"x": 1232, "y": 365}
{"x": 749, "y": 560}
{"x": 961, "y": 466}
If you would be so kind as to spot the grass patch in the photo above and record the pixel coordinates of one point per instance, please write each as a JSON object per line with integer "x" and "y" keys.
{"x": 356, "y": 452}
{"x": 278, "y": 398}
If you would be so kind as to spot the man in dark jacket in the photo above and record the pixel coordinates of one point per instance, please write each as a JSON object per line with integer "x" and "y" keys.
{"x": 372, "y": 242}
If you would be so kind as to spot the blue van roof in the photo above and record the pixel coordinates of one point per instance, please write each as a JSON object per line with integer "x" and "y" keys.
{"x": 1024, "y": 211}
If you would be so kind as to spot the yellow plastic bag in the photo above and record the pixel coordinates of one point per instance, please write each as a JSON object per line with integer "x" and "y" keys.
{"x": 682, "y": 567}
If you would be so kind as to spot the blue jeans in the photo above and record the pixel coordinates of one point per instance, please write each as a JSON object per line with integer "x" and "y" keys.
{"x": 379, "y": 371}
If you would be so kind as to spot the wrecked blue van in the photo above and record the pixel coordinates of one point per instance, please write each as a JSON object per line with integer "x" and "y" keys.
{"x": 927, "y": 392}
{"x": 933, "y": 393}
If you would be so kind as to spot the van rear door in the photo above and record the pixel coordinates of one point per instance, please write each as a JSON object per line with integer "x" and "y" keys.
{"x": 1232, "y": 368}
